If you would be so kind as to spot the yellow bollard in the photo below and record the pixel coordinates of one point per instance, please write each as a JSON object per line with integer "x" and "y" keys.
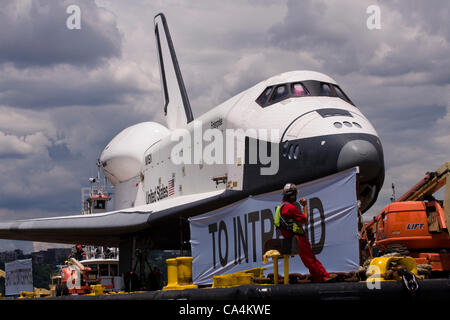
{"x": 275, "y": 270}
{"x": 275, "y": 256}
{"x": 172, "y": 273}
{"x": 179, "y": 274}
{"x": 184, "y": 270}
{"x": 98, "y": 289}
{"x": 286, "y": 269}
{"x": 26, "y": 294}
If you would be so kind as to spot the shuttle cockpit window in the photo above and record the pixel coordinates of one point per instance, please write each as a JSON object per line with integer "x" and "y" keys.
{"x": 325, "y": 90}
{"x": 317, "y": 88}
{"x": 265, "y": 96}
{"x": 274, "y": 94}
{"x": 281, "y": 92}
{"x": 298, "y": 90}
{"x": 341, "y": 94}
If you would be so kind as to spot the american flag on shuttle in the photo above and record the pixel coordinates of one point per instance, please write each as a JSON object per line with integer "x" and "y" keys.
{"x": 171, "y": 187}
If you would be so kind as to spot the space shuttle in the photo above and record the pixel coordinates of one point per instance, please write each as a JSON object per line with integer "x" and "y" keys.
{"x": 293, "y": 127}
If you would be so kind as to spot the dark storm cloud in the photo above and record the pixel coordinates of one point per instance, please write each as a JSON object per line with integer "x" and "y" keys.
{"x": 309, "y": 27}
{"x": 431, "y": 16}
{"x": 44, "y": 64}
{"x": 63, "y": 86}
{"x": 59, "y": 152}
{"x": 410, "y": 42}
{"x": 35, "y": 34}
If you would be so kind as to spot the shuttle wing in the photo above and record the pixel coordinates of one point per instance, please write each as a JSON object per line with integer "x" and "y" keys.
{"x": 107, "y": 229}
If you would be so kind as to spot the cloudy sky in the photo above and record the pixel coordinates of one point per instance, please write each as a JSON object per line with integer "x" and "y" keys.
{"x": 64, "y": 94}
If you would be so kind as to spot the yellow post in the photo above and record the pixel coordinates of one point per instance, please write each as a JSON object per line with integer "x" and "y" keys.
{"x": 286, "y": 269}
{"x": 275, "y": 270}
{"x": 172, "y": 272}
{"x": 98, "y": 290}
{"x": 179, "y": 274}
{"x": 184, "y": 270}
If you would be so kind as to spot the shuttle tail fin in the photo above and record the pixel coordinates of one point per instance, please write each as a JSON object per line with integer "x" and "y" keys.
{"x": 177, "y": 108}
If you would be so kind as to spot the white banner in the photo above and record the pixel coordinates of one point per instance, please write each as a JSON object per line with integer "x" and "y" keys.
{"x": 19, "y": 277}
{"x": 231, "y": 239}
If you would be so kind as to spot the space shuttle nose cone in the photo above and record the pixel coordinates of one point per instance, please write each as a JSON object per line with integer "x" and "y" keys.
{"x": 363, "y": 154}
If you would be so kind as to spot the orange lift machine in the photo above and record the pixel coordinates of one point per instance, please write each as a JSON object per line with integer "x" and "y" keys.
{"x": 416, "y": 224}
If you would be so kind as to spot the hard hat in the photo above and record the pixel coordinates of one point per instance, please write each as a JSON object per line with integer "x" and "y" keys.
{"x": 289, "y": 189}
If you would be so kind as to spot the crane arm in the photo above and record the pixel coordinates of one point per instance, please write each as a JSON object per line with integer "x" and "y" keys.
{"x": 431, "y": 183}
